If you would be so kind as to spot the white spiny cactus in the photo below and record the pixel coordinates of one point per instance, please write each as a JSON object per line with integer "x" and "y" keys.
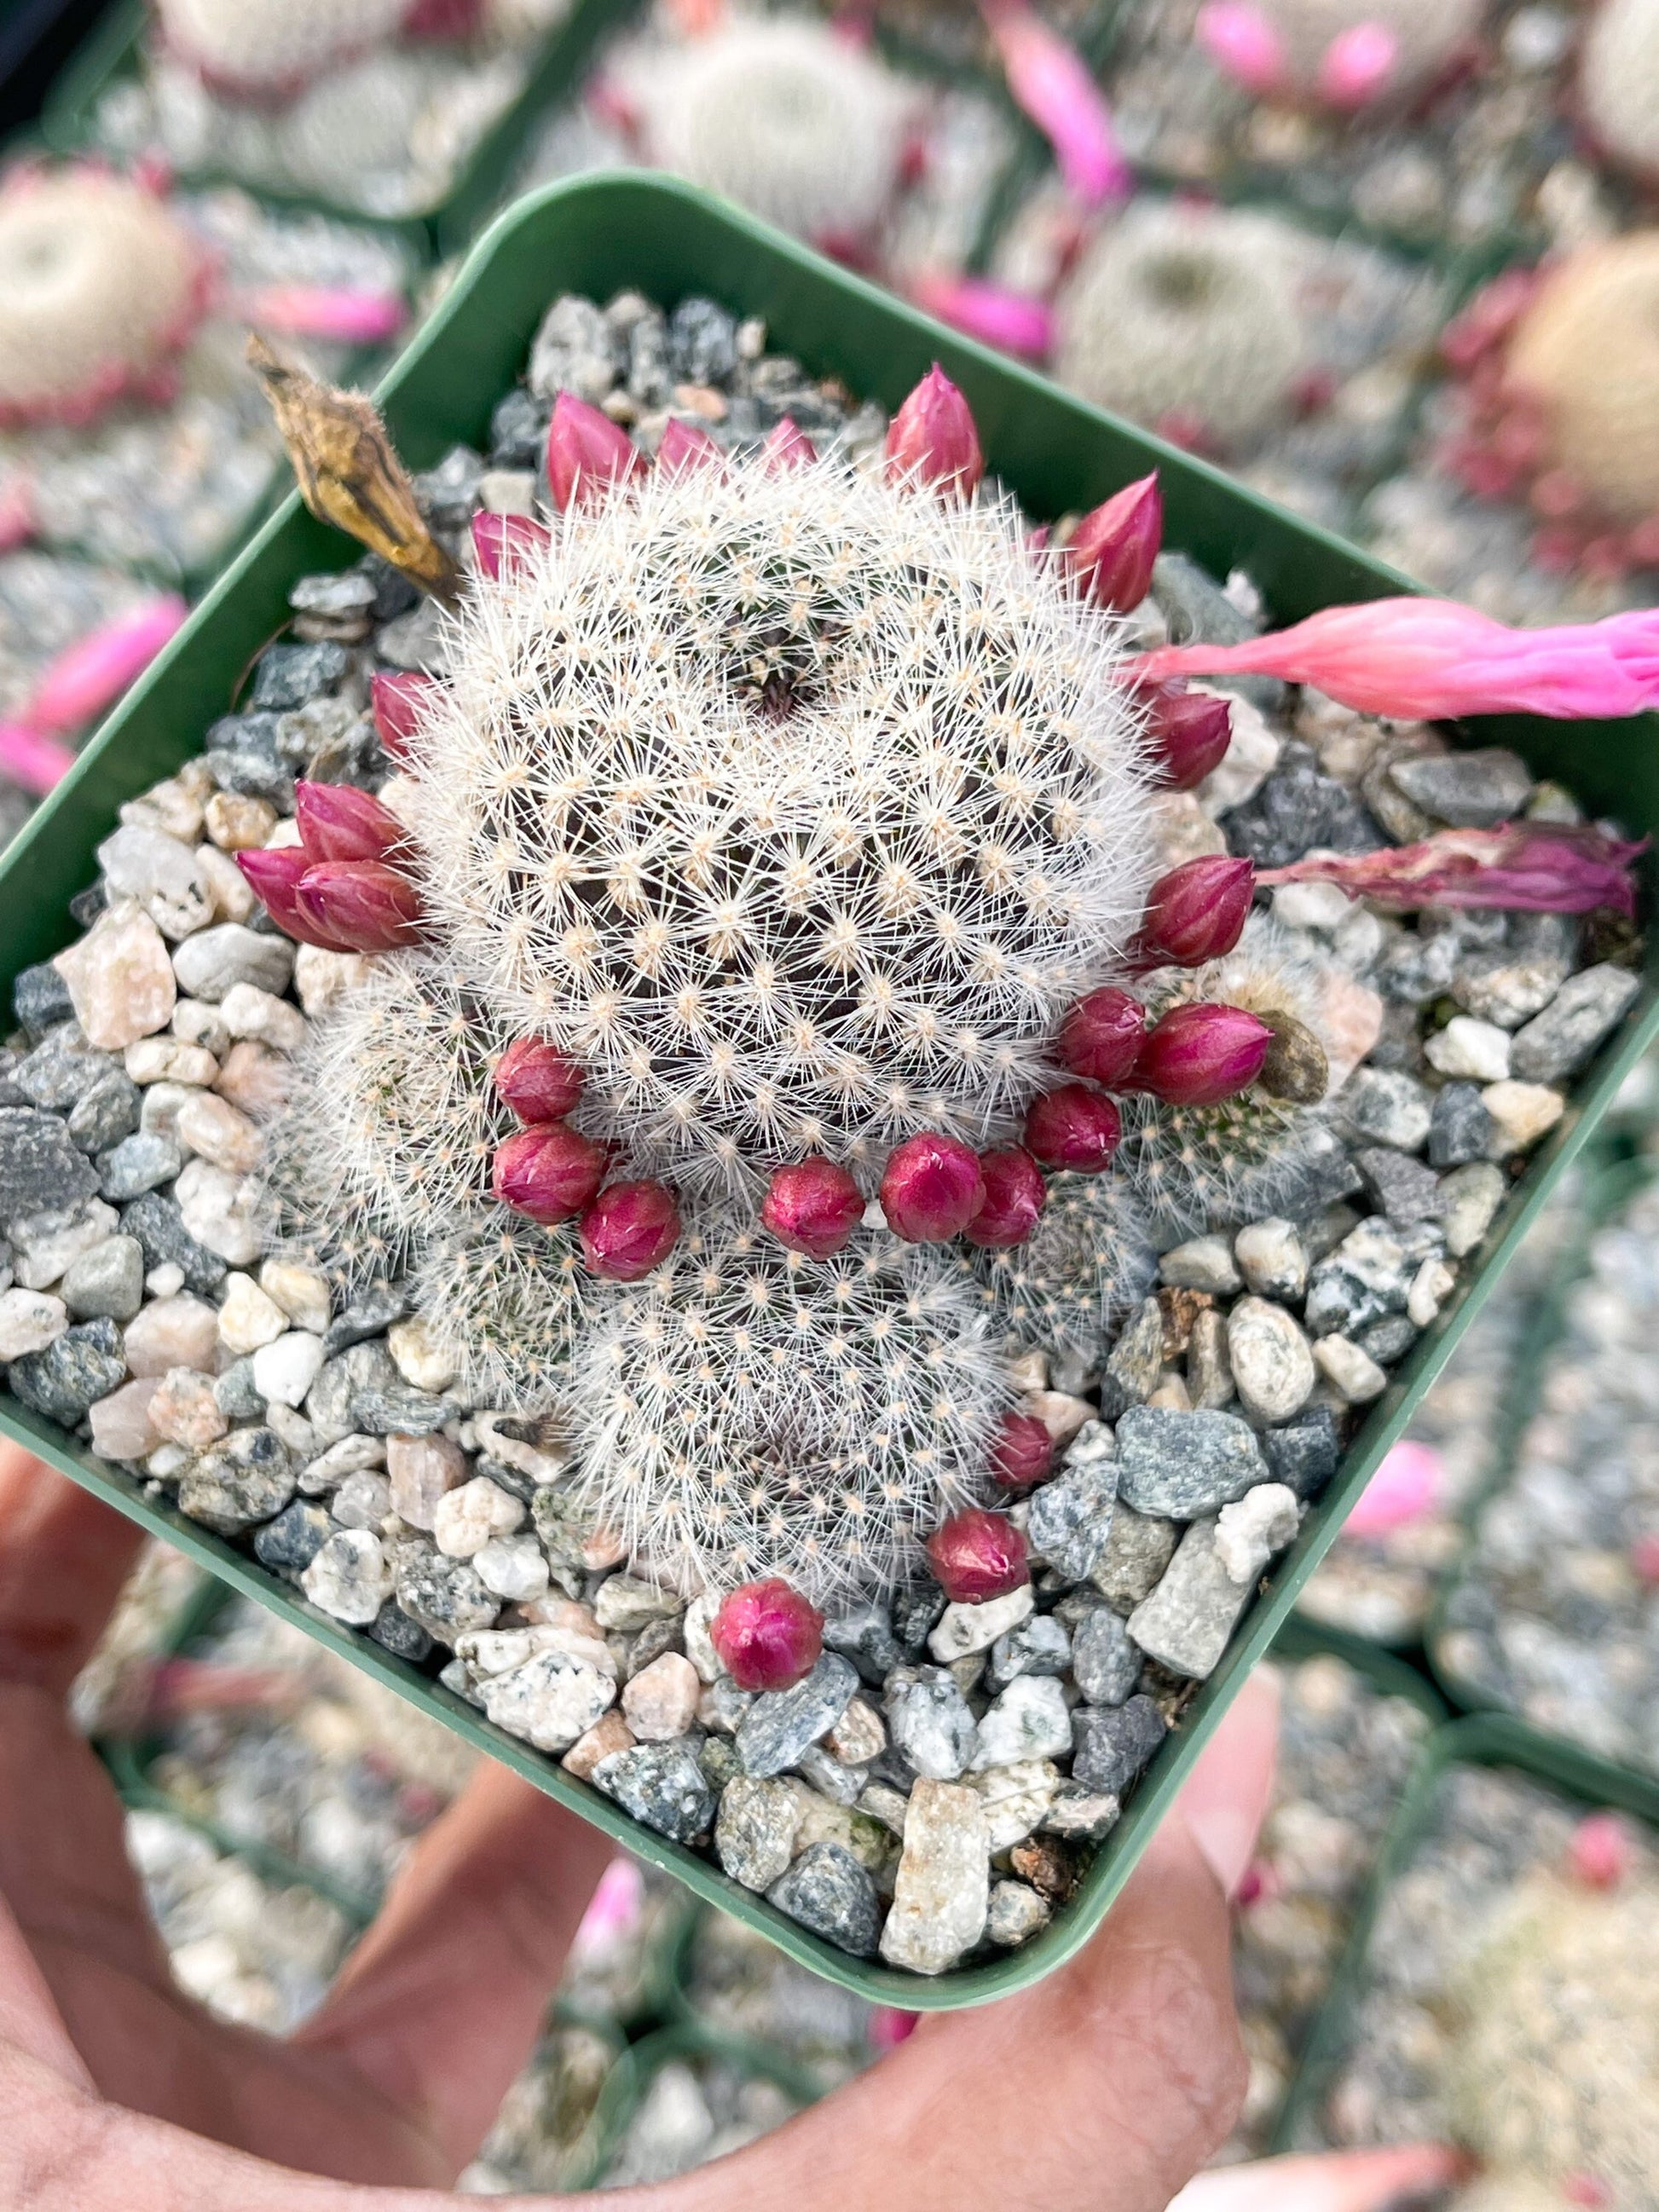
{"x": 99, "y": 287}
{"x": 747, "y": 1411}
{"x": 787, "y": 119}
{"x": 504, "y": 1298}
{"x": 1089, "y": 1258}
{"x": 270, "y": 48}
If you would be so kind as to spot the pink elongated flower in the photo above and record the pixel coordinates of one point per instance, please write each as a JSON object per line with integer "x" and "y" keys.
{"x": 396, "y": 699}
{"x": 33, "y": 762}
{"x": 932, "y": 439}
{"x": 1015, "y": 1194}
{"x": 339, "y": 822}
{"x": 1200, "y": 1054}
{"x": 630, "y": 1229}
{"x": 1114, "y": 547}
{"x": 505, "y": 542}
{"x": 1433, "y": 661}
{"x": 1100, "y": 1036}
{"x": 931, "y": 1188}
{"x": 1050, "y": 82}
{"x": 1539, "y": 867}
{"x": 1602, "y": 1851}
{"x": 613, "y": 1912}
{"x": 1014, "y": 322}
{"x": 788, "y": 447}
{"x": 813, "y": 1207}
{"x": 1022, "y": 1452}
{"x": 342, "y": 314}
{"x": 767, "y": 1635}
{"x": 1243, "y": 46}
{"x": 273, "y": 875}
{"x": 1356, "y": 67}
{"x": 587, "y": 454}
{"x": 1190, "y": 732}
{"x": 549, "y": 1173}
{"x": 1406, "y": 1485}
{"x": 976, "y": 1555}
{"x": 1073, "y": 1127}
{"x": 538, "y": 1081}
{"x": 1197, "y": 912}
{"x": 684, "y": 446}
{"x": 91, "y": 675}
{"x": 362, "y": 905}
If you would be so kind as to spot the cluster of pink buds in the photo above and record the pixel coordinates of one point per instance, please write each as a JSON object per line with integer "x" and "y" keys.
{"x": 342, "y": 886}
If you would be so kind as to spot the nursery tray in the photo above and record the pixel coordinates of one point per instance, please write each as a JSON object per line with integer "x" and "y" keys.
{"x": 1488, "y": 1741}
{"x": 598, "y": 235}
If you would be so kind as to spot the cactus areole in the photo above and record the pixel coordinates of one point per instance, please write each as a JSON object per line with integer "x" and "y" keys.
{"x": 771, "y": 838}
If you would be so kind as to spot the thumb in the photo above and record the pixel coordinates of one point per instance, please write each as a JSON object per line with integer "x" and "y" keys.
{"x": 1345, "y": 2181}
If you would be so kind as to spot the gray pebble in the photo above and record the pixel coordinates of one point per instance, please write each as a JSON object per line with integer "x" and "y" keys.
{"x": 575, "y": 349}
{"x": 930, "y": 1721}
{"x": 1070, "y": 1519}
{"x": 215, "y": 960}
{"x": 41, "y": 1167}
{"x": 63, "y": 1068}
{"x": 1181, "y": 1464}
{"x": 1398, "y": 1185}
{"x": 755, "y": 1833}
{"x": 1015, "y": 1914}
{"x": 1297, "y": 808}
{"x": 109, "y": 1280}
{"x": 717, "y": 1756}
{"x": 1140, "y": 1547}
{"x": 40, "y": 998}
{"x": 1038, "y": 1646}
{"x": 663, "y": 1785}
{"x": 1558, "y": 1042}
{"x": 246, "y": 1477}
{"x": 289, "y": 1543}
{"x": 863, "y": 1634}
{"x": 517, "y": 431}
{"x": 1388, "y": 1340}
{"x": 1186, "y": 1622}
{"x": 1467, "y": 791}
{"x": 139, "y": 1162}
{"x": 370, "y": 1313}
{"x": 235, "y": 1395}
{"x": 448, "y": 494}
{"x": 702, "y": 342}
{"x": 828, "y": 1891}
{"x": 1132, "y": 1371}
{"x": 105, "y": 1115}
{"x": 155, "y": 1220}
{"x": 916, "y": 1610}
{"x": 1080, "y": 1814}
{"x": 287, "y": 675}
{"x": 780, "y": 1723}
{"x": 1105, "y": 1664}
{"x": 1304, "y": 1454}
{"x": 1461, "y": 1129}
{"x": 1386, "y": 1107}
{"x": 83, "y": 1365}
{"x": 1114, "y": 1743}
{"x": 393, "y": 1629}
{"x": 446, "y": 1597}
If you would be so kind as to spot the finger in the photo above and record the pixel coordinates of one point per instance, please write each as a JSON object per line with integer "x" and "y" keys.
{"x": 441, "y": 2003}
{"x": 29, "y": 2020}
{"x": 1225, "y": 1799}
{"x": 63, "y": 1557}
{"x": 1346, "y": 2181}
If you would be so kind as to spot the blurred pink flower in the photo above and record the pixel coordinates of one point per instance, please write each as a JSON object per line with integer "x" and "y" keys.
{"x": 1541, "y": 867}
{"x": 92, "y": 674}
{"x": 1405, "y": 1488}
{"x": 1051, "y": 82}
{"x": 31, "y": 762}
{"x": 346, "y": 315}
{"x": 1243, "y": 45}
{"x": 613, "y": 1911}
{"x": 16, "y": 511}
{"x": 1357, "y": 65}
{"x": 1014, "y": 321}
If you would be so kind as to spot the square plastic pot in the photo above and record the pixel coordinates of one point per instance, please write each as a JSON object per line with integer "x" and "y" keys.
{"x": 598, "y": 235}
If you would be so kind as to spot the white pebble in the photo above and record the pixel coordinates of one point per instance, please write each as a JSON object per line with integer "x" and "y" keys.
{"x": 964, "y": 1629}
{"x": 29, "y": 1322}
{"x": 285, "y": 1370}
{"x": 1323, "y": 907}
{"x": 1250, "y": 1531}
{"x": 184, "y": 1410}
{"x": 248, "y": 1318}
{"x": 120, "y": 979}
{"x": 423, "y": 1470}
{"x": 170, "y": 1059}
{"x": 349, "y": 1577}
{"x": 1430, "y": 1285}
{"x": 121, "y": 1426}
{"x": 417, "y": 1358}
{"x": 1351, "y": 1373}
{"x": 165, "y": 1281}
{"x": 249, "y": 1012}
{"x": 319, "y": 977}
{"x": 1523, "y": 1111}
{"x": 221, "y": 1211}
{"x": 660, "y": 1702}
{"x": 513, "y": 1567}
{"x": 465, "y": 1520}
{"x": 215, "y": 1130}
{"x": 301, "y": 1293}
{"x": 1471, "y": 1051}
{"x": 176, "y": 1332}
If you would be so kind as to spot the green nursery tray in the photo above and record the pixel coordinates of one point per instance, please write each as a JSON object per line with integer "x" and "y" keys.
{"x": 1488, "y": 1741}
{"x": 598, "y": 235}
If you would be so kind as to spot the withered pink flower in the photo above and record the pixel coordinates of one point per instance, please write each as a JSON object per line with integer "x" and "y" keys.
{"x": 630, "y": 1229}
{"x": 932, "y": 1188}
{"x": 1243, "y": 45}
{"x": 932, "y": 439}
{"x": 767, "y": 1636}
{"x": 1100, "y": 1035}
{"x": 549, "y": 1173}
{"x": 977, "y": 1556}
{"x": 586, "y": 453}
{"x": 1073, "y": 1127}
{"x": 813, "y": 1207}
{"x": 273, "y": 875}
{"x": 1189, "y": 732}
{"x": 1051, "y": 82}
{"x": 1114, "y": 547}
{"x": 338, "y": 821}
{"x": 1432, "y": 659}
{"x": 1015, "y": 322}
{"x": 1541, "y": 868}
{"x": 1022, "y": 1452}
{"x": 90, "y": 675}
{"x": 1015, "y": 1194}
{"x": 396, "y": 699}
{"x": 1199, "y": 1055}
{"x": 1357, "y": 66}
{"x": 362, "y": 905}
{"x": 1197, "y": 912}
{"x": 538, "y": 1082}
{"x": 684, "y": 446}
{"x": 500, "y": 540}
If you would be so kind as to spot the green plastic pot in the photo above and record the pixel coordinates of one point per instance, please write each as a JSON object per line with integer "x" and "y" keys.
{"x": 1488, "y": 1741}
{"x": 598, "y": 235}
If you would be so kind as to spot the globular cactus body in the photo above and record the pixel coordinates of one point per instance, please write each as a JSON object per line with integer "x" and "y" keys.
{"x": 1089, "y": 1260}
{"x": 268, "y": 50}
{"x": 1618, "y": 84}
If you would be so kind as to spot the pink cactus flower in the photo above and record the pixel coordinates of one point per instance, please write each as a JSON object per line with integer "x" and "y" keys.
{"x": 684, "y": 446}
{"x": 338, "y": 821}
{"x": 33, "y": 762}
{"x": 1100, "y": 1036}
{"x": 1014, "y": 322}
{"x": 613, "y": 1912}
{"x": 504, "y": 541}
{"x": 273, "y": 875}
{"x": 1432, "y": 659}
{"x": 1074, "y": 1128}
{"x": 1357, "y": 66}
{"x": 1201, "y": 1053}
{"x": 813, "y": 1207}
{"x": 932, "y": 439}
{"x": 396, "y": 700}
{"x": 1408, "y": 1485}
{"x": 337, "y": 313}
{"x": 630, "y": 1229}
{"x": 1197, "y": 912}
{"x": 1015, "y": 1194}
{"x": 538, "y": 1081}
{"x": 788, "y": 447}
{"x": 1050, "y": 82}
{"x": 549, "y": 1173}
{"x": 767, "y": 1636}
{"x": 977, "y": 1556}
{"x": 1243, "y": 46}
{"x": 1541, "y": 867}
{"x": 932, "y": 1188}
{"x": 88, "y": 677}
{"x": 361, "y": 904}
{"x": 586, "y": 453}
{"x": 1022, "y": 1452}
{"x": 1112, "y": 548}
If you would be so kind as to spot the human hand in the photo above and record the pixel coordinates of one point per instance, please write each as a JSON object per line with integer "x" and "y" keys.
{"x": 1104, "y": 2086}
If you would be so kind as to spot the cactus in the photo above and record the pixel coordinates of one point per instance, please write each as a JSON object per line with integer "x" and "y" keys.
{"x": 268, "y": 50}
{"x": 1087, "y": 1262}
{"x": 1554, "y": 2057}
{"x": 1187, "y": 319}
{"x": 1618, "y": 78}
{"x": 100, "y": 289}
{"x": 504, "y": 1297}
{"x": 790, "y": 121}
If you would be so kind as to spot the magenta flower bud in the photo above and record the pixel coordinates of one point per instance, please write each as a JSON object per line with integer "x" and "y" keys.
{"x": 586, "y": 453}
{"x": 1100, "y": 1035}
{"x": 932, "y": 1188}
{"x": 338, "y": 821}
{"x": 362, "y": 905}
{"x": 1199, "y": 1055}
{"x": 1197, "y": 912}
{"x": 1015, "y": 1194}
{"x": 538, "y": 1081}
{"x": 505, "y": 542}
{"x": 548, "y": 1173}
{"x": 397, "y": 701}
{"x": 977, "y": 1555}
{"x": 684, "y": 446}
{"x": 628, "y": 1230}
{"x": 932, "y": 439}
{"x": 787, "y": 447}
{"x": 1073, "y": 1127}
{"x": 767, "y": 1636}
{"x": 273, "y": 875}
{"x": 1022, "y": 1452}
{"x": 1190, "y": 732}
{"x": 1114, "y": 547}
{"x": 813, "y": 1207}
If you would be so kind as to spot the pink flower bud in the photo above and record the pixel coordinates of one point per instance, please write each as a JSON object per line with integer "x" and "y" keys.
{"x": 548, "y": 1173}
{"x": 787, "y": 447}
{"x": 586, "y": 453}
{"x": 628, "y": 1230}
{"x": 396, "y": 702}
{"x": 1198, "y": 1056}
{"x": 274, "y": 875}
{"x": 1015, "y": 1193}
{"x": 1022, "y": 1453}
{"x": 1602, "y": 1851}
{"x": 1239, "y": 39}
{"x": 1073, "y": 1127}
{"x": 1114, "y": 547}
{"x": 1100, "y": 1036}
{"x": 932, "y": 1188}
{"x": 361, "y": 904}
{"x": 1197, "y": 912}
{"x": 976, "y": 1555}
{"x": 338, "y": 821}
{"x": 813, "y": 1207}
{"x": 1357, "y": 65}
{"x": 1190, "y": 732}
{"x": 538, "y": 1081}
{"x": 505, "y": 542}
{"x": 684, "y": 446}
{"x": 767, "y": 1636}
{"x": 932, "y": 440}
